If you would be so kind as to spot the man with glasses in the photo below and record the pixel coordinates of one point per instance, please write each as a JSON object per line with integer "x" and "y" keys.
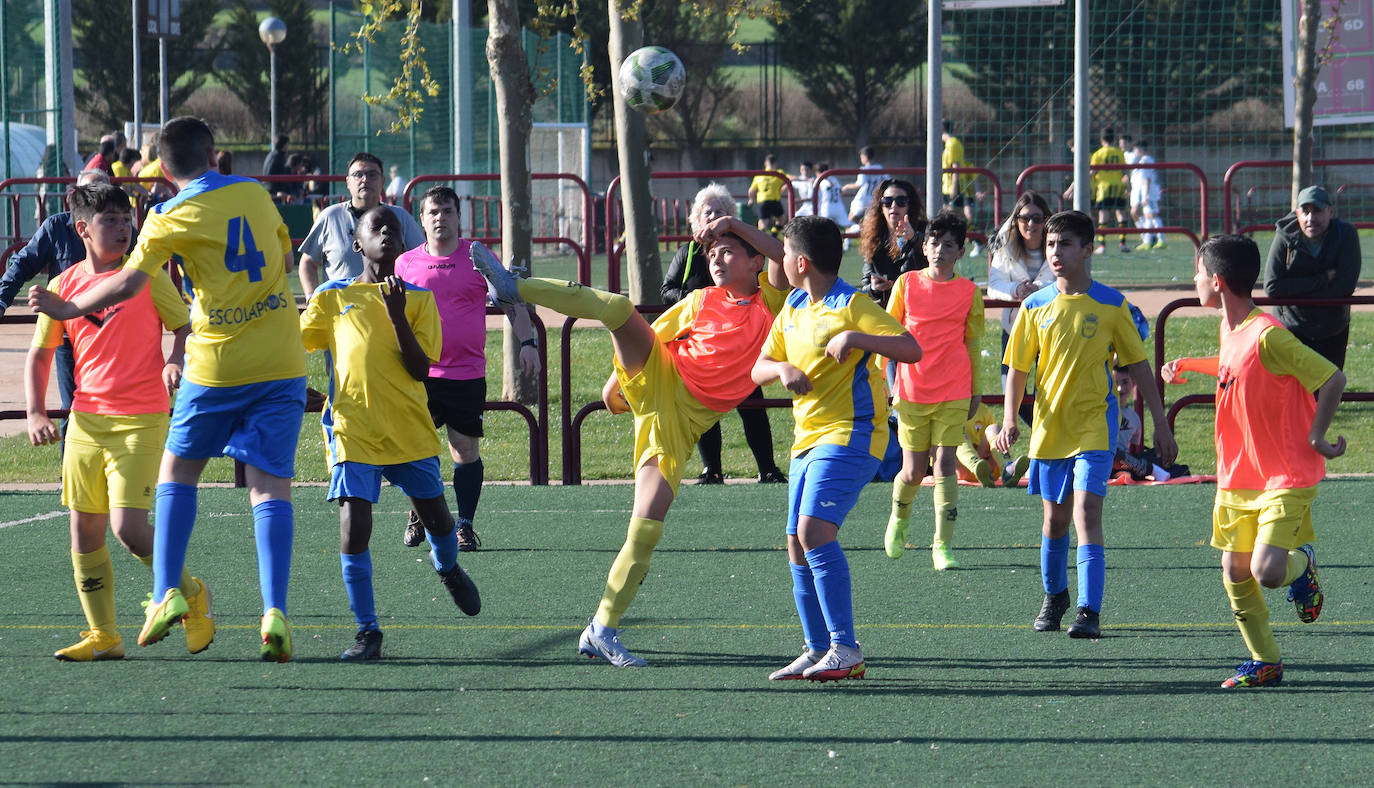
{"x": 329, "y": 244}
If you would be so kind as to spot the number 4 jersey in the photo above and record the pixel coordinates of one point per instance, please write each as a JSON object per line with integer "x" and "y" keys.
{"x": 233, "y": 248}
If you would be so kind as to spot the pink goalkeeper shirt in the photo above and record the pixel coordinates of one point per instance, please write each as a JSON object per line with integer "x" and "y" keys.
{"x": 461, "y": 295}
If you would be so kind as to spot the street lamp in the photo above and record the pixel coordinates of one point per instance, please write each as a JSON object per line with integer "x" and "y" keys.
{"x": 272, "y": 31}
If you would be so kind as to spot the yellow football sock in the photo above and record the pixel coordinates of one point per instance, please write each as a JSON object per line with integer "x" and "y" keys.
{"x": 946, "y": 508}
{"x": 902, "y": 496}
{"x": 188, "y": 585}
{"x": 574, "y": 300}
{"x": 94, "y": 576}
{"x": 968, "y": 456}
{"x": 1297, "y": 564}
{"x": 628, "y": 569}
{"x": 1252, "y": 616}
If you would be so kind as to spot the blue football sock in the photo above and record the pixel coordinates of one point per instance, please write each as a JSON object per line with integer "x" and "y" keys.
{"x": 809, "y": 608}
{"x": 274, "y": 526}
{"x": 443, "y": 551}
{"x": 830, "y": 573}
{"x": 174, "y": 518}
{"x": 1054, "y": 563}
{"x": 1092, "y": 576}
{"x": 357, "y": 577}
{"x": 467, "y": 488}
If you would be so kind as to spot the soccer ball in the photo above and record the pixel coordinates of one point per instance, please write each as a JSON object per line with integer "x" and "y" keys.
{"x": 651, "y": 79}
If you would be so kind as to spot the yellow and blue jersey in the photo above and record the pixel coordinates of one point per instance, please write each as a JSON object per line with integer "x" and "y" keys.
{"x": 1072, "y": 338}
{"x": 233, "y": 248}
{"x": 377, "y": 412}
{"x": 847, "y": 404}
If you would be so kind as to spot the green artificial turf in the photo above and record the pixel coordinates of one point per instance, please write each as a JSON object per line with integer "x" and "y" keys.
{"x": 959, "y": 689}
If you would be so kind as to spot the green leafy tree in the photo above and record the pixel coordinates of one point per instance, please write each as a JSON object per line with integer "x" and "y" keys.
{"x": 104, "y": 58}
{"x": 851, "y": 56}
{"x": 302, "y": 82}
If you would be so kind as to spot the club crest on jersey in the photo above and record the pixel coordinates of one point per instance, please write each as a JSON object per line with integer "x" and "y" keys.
{"x": 99, "y": 317}
{"x": 1089, "y": 328}
{"x": 821, "y": 331}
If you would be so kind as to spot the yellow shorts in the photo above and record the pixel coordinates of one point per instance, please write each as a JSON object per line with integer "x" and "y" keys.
{"x": 1281, "y": 518}
{"x": 111, "y": 461}
{"x": 920, "y": 426}
{"x": 668, "y": 419}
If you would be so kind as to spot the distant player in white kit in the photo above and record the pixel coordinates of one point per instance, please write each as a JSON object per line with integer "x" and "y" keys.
{"x": 1145, "y": 192}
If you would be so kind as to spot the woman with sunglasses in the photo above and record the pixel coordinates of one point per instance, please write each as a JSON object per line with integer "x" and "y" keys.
{"x": 687, "y": 272}
{"x": 890, "y": 238}
{"x": 1018, "y": 266}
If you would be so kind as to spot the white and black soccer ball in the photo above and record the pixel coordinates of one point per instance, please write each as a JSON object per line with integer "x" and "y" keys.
{"x": 651, "y": 79}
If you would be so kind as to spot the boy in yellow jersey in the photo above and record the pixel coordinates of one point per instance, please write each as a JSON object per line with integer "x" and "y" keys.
{"x": 380, "y": 337}
{"x": 243, "y": 395}
{"x": 765, "y": 193}
{"x": 953, "y": 186}
{"x": 824, "y": 348}
{"x": 977, "y": 460}
{"x": 1271, "y": 451}
{"x": 678, "y": 377}
{"x": 1109, "y": 188}
{"x": 118, "y": 420}
{"x": 1069, "y": 331}
{"x": 934, "y": 396}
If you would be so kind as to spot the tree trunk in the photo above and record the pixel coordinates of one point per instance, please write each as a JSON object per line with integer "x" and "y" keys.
{"x": 514, "y": 101}
{"x": 632, "y": 143}
{"x": 1305, "y": 95}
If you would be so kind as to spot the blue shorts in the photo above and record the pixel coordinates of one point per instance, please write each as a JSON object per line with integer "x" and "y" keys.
{"x": 825, "y": 483}
{"x": 418, "y": 479}
{"x": 1088, "y": 471}
{"x": 257, "y": 424}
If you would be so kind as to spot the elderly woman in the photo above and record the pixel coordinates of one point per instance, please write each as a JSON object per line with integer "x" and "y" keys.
{"x": 890, "y": 238}
{"x": 687, "y": 272}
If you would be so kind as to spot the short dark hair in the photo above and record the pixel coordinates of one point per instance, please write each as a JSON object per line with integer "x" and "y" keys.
{"x": 948, "y": 126}
{"x": 1235, "y": 258}
{"x": 183, "y": 142}
{"x": 807, "y": 164}
{"x": 1108, "y": 133}
{"x": 87, "y": 201}
{"x": 867, "y": 151}
{"x": 442, "y": 194}
{"x": 948, "y": 223}
{"x": 1072, "y": 222}
{"x": 367, "y": 157}
{"x": 107, "y": 147}
{"x": 748, "y": 247}
{"x": 818, "y": 239}
{"x": 129, "y": 156}
{"x": 281, "y": 141}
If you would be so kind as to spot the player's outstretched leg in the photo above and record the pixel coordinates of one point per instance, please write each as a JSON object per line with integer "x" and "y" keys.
{"x": 575, "y": 300}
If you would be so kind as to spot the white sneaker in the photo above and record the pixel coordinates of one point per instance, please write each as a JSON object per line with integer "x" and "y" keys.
{"x": 808, "y": 658}
{"x": 840, "y": 662}
{"x": 607, "y": 647}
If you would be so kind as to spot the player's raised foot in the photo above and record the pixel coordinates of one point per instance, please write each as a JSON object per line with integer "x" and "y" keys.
{"x": 463, "y": 590}
{"x": 773, "y": 476}
{"x": 468, "y": 540}
{"x": 1253, "y": 673}
{"x": 161, "y": 616}
{"x": 199, "y": 623}
{"x": 95, "y": 646}
{"x": 606, "y": 645}
{"x": 708, "y": 476}
{"x": 367, "y": 644}
{"x": 415, "y": 532}
{"x": 1052, "y": 612}
{"x": 1306, "y": 593}
{"x": 276, "y": 637}
{"x": 983, "y": 470}
{"x": 1160, "y": 244}
{"x": 1015, "y": 471}
{"x": 942, "y": 557}
{"x": 808, "y": 658}
{"x": 894, "y": 541}
{"x": 1085, "y": 624}
{"x": 840, "y": 662}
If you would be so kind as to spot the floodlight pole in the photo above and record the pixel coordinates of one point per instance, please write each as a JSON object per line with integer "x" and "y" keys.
{"x": 272, "y": 31}
{"x": 934, "y": 111}
{"x": 137, "y": 136}
{"x": 1082, "y": 112}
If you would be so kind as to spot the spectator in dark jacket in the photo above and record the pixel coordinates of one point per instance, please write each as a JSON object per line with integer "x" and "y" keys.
{"x": 890, "y": 237}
